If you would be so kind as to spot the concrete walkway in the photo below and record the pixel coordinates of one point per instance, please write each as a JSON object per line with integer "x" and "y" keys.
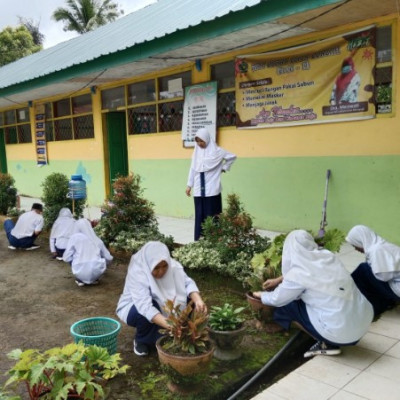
{"x": 369, "y": 370}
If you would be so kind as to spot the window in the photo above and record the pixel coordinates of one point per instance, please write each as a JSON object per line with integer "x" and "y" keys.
{"x": 16, "y": 125}
{"x": 69, "y": 119}
{"x": 384, "y": 72}
{"x": 224, "y": 74}
{"x": 113, "y": 98}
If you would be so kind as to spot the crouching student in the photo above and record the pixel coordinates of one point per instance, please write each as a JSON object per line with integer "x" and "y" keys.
{"x": 61, "y": 231}
{"x": 28, "y": 227}
{"x": 319, "y": 295}
{"x": 153, "y": 278}
{"x": 378, "y": 277}
{"x": 87, "y": 254}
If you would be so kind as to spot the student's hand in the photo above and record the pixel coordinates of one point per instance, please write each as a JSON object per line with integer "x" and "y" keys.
{"x": 188, "y": 190}
{"x": 199, "y": 304}
{"x": 271, "y": 284}
{"x": 257, "y": 295}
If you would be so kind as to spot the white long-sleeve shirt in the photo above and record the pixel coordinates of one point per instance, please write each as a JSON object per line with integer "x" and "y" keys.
{"x": 212, "y": 178}
{"x": 28, "y": 223}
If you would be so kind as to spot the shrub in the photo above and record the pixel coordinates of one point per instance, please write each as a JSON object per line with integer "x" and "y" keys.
{"x": 128, "y": 219}
{"x": 55, "y": 191}
{"x": 8, "y": 193}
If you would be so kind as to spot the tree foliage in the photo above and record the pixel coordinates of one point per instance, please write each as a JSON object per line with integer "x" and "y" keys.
{"x": 33, "y": 28}
{"x": 16, "y": 43}
{"x": 86, "y": 15}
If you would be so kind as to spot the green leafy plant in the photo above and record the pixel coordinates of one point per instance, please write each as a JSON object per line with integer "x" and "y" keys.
{"x": 55, "y": 191}
{"x": 8, "y": 193}
{"x": 129, "y": 219}
{"x": 72, "y": 371}
{"x": 332, "y": 240}
{"x": 187, "y": 333}
{"x": 225, "y": 318}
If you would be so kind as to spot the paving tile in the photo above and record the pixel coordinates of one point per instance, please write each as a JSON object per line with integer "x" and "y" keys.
{"x": 374, "y": 387}
{"x": 342, "y": 395}
{"x": 267, "y": 395}
{"x": 392, "y": 315}
{"x": 357, "y": 357}
{"x": 327, "y": 370}
{"x": 378, "y": 343}
{"x": 300, "y": 387}
{"x": 394, "y": 351}
{"x": 386, "y": 327}
{"x": 387, "y": 367}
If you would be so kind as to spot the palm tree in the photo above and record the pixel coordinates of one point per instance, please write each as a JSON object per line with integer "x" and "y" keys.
{"x": 85, "y": 15}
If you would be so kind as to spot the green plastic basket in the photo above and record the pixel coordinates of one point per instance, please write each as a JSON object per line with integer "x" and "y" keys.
{"x": 101, "y": 331}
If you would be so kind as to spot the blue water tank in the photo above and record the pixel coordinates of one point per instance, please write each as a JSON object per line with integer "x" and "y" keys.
{"x": 77, "y": 187}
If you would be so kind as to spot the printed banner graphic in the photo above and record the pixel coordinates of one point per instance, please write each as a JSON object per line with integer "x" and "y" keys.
{"x": 326, "y": 81}
{"x": 199, "y": 111}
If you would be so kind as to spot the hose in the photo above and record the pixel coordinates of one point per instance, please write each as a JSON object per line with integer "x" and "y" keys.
{"x": 267, "y": 365}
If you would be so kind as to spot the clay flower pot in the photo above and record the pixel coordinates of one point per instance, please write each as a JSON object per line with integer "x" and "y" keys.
{"x": 263, "y": 312}
{"x": 185, "y": 372}
{"x": 227, "y": 343}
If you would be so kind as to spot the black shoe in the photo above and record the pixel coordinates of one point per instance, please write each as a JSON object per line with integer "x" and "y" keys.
{"x": 321, "y": 348}
{"x": 140, "y": 349}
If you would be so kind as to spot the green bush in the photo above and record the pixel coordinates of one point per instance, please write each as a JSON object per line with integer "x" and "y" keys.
{"x": 8, "y": 193}
{"x": 129, "y": 220}
{"x": 55, "y": 191}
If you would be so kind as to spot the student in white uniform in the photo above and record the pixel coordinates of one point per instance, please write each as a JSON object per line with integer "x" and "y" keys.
{"x": 153, "y": 278}
{"x": 378, "y": 277}
{"x": 61, "y": 231}
{"x": 26, "y": 230}
{"x": 317, "y": 292}
{"x": 208, "y": 162}
{"x": 87, "y": 254}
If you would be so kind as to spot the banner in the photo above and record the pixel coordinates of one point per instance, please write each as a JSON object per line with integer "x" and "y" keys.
{"x": 326, "y": 81}
{"x": 199, "y": 111}
{"x": 40, "y": 135}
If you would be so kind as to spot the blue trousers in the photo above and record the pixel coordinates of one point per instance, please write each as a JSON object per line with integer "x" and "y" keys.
{"x": 377, "y": 292}
{"x": 23, "y": 243}
{"x": 146, "y": 332}
{"x": 205, "y": 207}
{"x": 297, "y": 311}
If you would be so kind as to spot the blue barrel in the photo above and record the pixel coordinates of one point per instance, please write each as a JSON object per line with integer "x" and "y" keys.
{"x": 77, "y": 187}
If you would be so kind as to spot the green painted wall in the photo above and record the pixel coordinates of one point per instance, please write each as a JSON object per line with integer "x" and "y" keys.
{"x": 287, "y": 193}
{"x": 29, "y": 177}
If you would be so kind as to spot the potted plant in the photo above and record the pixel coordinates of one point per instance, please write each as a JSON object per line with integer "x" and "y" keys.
{"x": 227, "y": 331}
{"x": 185, "y": 352}
{"x": 74, "y": 371}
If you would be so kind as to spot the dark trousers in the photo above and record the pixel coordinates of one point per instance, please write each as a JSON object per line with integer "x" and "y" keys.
{"x": 377, "y": 292}
{"x": 146, "y": 332}
{"x": 297, "y": 311}
{"x": 23, "y": 243}
{"x": 205, "y": 207}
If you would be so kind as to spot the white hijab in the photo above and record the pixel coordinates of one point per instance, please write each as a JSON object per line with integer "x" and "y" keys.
{"x": 381, "y": 255}
{"x": 320, "y": 270}
{"x": 207, "y": 159}
{"x": 64, "y": 224}
{"x": 172, "y": 285}
{"x": 85, "y": 227}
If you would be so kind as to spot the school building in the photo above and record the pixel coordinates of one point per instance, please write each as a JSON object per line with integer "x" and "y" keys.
{"x": 112, "y": 101}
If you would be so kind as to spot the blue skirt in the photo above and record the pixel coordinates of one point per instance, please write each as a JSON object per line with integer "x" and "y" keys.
{"x": 205, "y": 207}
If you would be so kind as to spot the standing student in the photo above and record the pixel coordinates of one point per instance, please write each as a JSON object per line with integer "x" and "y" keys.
{"x": 153, "y": 278}
{"x": 208, "y": 162}
{"x": 318, "y": 293}
{"x": 61, "y": 231}
{"x": 378, "y": 277}
{"x": 87, "y": 254}
{"x": 26, "y": 230}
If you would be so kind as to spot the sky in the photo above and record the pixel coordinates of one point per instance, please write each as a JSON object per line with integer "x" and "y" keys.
{"x": 41, "y": 11}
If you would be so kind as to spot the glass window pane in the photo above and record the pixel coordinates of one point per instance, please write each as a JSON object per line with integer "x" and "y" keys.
{"x": 10, "y": 117}
{"x": 170, "y": 115}
{"x": 24, "y": 133}
{"x": 63, "y": 129}
{"x": 82, "y": 104}
{"x": 142, "y": 92}
{"x": 1, "y": 119}
{"x": 384, "y": 44}
{"x": 47, "y": 110}
{"x": 61, "y": 108}
{"x": 83, "y": 127}
{"x": 113, "y": 98}
{"x": 11, "y": 134}
{"x": 142, "y": 120}
{"x": 49, "y": 128}
{"x": 173, "y": 85}
{"x": 23, "y": 115}
{"x": 224, "y": 74}
{"x": 226, "y": 110}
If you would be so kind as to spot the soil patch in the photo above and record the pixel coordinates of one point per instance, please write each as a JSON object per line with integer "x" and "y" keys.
{"x": 40, "y": 302}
